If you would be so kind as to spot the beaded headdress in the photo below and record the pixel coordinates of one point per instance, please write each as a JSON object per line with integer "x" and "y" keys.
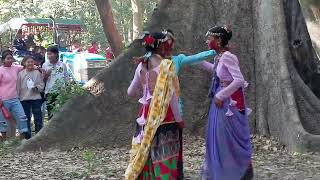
{"x": 209, "y": 33}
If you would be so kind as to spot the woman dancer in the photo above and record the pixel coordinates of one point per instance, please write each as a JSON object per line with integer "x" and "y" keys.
{"x": 228, "y": 146}
{"x": 157, "y": 144}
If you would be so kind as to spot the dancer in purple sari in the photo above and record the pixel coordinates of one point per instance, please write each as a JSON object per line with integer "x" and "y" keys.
{"x": 228, "y": 146}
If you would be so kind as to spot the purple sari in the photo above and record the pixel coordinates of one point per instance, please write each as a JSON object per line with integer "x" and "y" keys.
{"x": 228, "y": 146}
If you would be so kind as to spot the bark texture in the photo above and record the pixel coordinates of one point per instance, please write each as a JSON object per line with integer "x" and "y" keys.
{"x": 110, "y": 29}
{"x": 265, "y": 32}
{"x": 137, "y": 17}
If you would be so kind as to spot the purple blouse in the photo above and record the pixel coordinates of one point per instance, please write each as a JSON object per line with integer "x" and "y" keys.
{"x": 228, "y": 71}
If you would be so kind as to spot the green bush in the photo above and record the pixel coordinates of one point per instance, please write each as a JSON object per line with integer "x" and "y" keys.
{"x": 65, "y": 92}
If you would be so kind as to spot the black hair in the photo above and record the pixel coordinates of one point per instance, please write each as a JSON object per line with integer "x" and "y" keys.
{"x": 5, "y": 54}
{"x": 157, "y": 37}
{"x": 170, "y": 31}
{"x": 19, "y": 31}
{"x": 25, "y": 59}
{"x": 42, "y": 48}
{"x": 36, "y": 48}
{"x": 39, "y": 58}
{"x": 53, "y": 49}
{"x": 222, "y": 32}
{"x": 151, "y": 42}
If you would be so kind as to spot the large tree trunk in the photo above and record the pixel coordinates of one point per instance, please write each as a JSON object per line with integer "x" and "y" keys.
{"x": 265, "y": 31}
{"x": 137, "y": 17}
{"x": 109, "y": 26}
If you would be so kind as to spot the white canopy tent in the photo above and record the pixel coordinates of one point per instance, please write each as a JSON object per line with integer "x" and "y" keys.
{"x": 4, "y": 27}
{"x": 14, "y": 24}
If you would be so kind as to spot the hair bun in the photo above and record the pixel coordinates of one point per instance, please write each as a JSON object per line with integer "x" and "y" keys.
{"x": 228, "y": 32}
{"x": 152, "y": 41}
{"x": 229, "y": 35}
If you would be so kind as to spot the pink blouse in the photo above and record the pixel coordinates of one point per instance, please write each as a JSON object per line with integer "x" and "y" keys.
{"x": 136, "y": 87}
{"x": 8, "y": 81}
{"x": 228, "y": 70}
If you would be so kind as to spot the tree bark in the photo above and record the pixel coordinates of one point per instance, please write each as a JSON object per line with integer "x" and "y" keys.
{"x": 109, "y": 26}
{"x": 265, "y": 31}
{"x": 137, "y": 17}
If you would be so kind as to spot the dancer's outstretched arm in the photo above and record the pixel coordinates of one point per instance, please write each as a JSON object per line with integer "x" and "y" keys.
{"x": 207, "y": 66}
{"x": 194, "y": 59}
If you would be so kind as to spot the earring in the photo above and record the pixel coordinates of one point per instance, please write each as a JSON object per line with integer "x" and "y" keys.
{"x": 219, "y": 44}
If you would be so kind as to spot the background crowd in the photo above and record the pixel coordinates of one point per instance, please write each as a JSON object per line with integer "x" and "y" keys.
{"x": 27, "y": 43}
{"x": 24, "y": 89}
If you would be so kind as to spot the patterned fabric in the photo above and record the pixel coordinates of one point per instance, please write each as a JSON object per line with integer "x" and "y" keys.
{"x": 167, "y": 83}
{"x": 58, "y": 73}
{"x": 165, "y": 158}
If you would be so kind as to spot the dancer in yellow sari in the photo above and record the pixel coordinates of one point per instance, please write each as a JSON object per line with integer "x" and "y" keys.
{"x": 157, "y": 144}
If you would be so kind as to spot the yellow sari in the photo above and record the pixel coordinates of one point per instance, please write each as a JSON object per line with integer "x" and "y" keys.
{"x": 167, "y": 83}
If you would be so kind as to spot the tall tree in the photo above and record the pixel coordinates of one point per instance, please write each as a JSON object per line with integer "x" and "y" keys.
{"x": 109, "y": 26}
{"x": 267, "y": 33}
{"x": 137, "y": 17}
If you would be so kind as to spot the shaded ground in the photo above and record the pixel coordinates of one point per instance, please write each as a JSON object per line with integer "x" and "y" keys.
{"x": 271, "y": 162}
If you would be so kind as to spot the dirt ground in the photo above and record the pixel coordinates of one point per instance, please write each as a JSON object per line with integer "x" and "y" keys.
{"x": 271, "y": 162}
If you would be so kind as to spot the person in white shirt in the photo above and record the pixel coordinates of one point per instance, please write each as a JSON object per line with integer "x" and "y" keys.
{"x": 55, "y": 72}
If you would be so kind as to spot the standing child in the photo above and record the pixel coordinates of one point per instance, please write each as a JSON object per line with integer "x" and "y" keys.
{"x": 29, "y": 85}
{"x": 55, "y": 71}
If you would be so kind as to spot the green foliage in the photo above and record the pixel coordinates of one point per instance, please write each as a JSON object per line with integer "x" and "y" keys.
{"x": 65, "y": 91}
{"x": 85, "y": 10}
{"x": 89, "y": 158}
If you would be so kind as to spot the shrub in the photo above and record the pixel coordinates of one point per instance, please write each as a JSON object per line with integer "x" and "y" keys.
{"x": 66, "y": 91}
